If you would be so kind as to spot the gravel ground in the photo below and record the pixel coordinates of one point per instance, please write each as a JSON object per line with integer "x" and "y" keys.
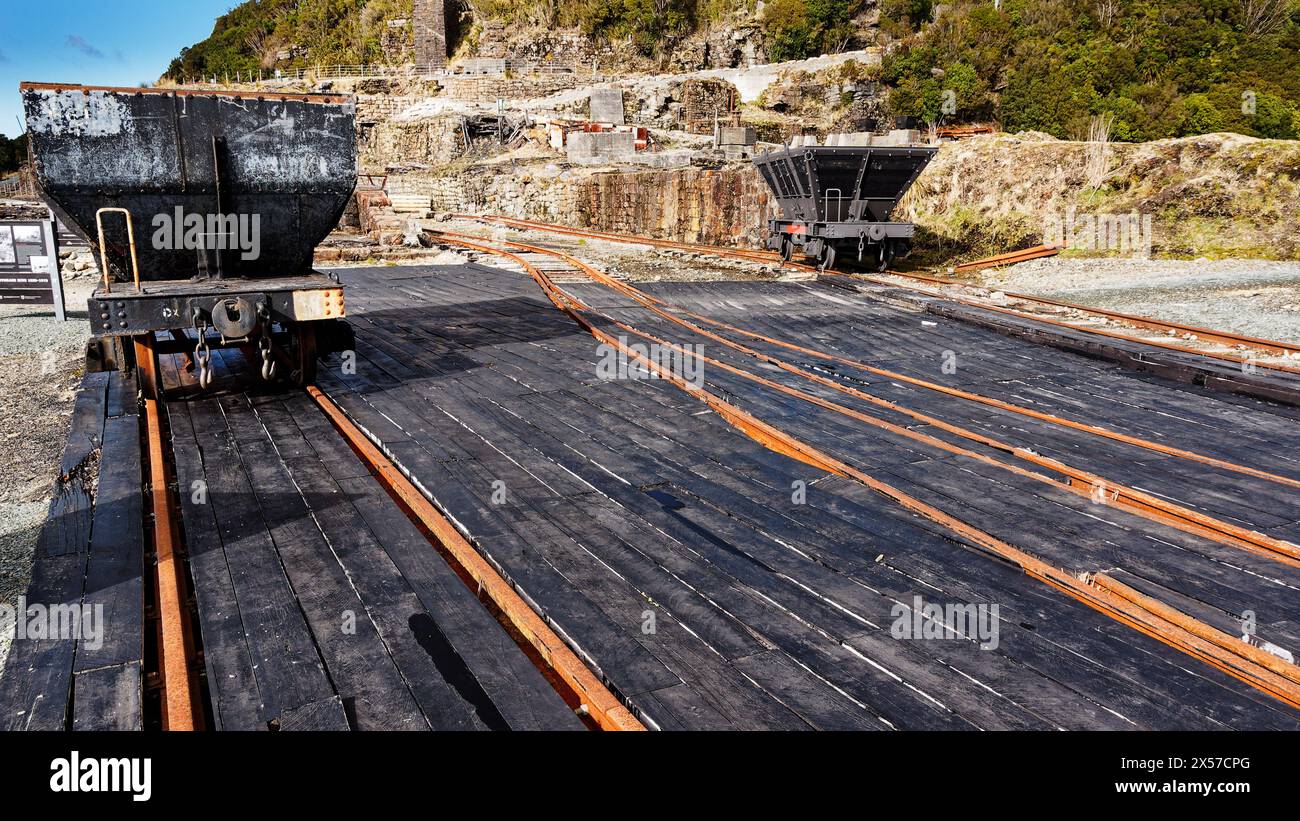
{"x": 41, "y": 360}
{"x": 1253, "y": 297}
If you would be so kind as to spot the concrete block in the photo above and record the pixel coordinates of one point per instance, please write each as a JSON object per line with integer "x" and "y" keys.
{"x": 606, "y": 106}
{"x": 606, "y": 146}
{"x": 410, "y": 203}
{"x": 855, "y": 138}
{"x": 484, "y": 66}
{"x": 898, "y": 137}
{"x": 737, "y": 135}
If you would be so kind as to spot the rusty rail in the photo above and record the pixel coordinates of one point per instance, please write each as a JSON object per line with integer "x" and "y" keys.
{"x": 1023, "y": 255}
{"x": 182, "y": 710}
{"x": 1080, "y": 482}
{"x": 586, "y": 693}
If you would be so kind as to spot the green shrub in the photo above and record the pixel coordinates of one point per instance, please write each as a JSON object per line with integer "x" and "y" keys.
{"x": 13, "y": 153}
{"x": 1165, "y": 68}
{"x": 795, "y": 29}
{"x": 788, "y": 30}
{"x": 647, "y": 27}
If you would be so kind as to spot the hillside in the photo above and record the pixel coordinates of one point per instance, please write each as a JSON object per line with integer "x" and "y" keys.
{"x": 13, "y": 153}
{"x": 1162, "y": 69}
{"x": 1158, "y": 69}
{"x": 264, "y": 34}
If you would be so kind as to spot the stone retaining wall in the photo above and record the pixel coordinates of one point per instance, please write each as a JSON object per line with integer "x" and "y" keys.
{"x": 489, "y": 89}
{"x": 723, "y": 207}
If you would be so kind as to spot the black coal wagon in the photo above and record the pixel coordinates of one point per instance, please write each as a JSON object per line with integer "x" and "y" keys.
{"x": 836, "y": 201}
{"x": 205, "y": 207}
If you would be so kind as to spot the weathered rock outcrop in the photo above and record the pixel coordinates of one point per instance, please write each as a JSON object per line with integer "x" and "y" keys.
{"x": 1215, "y": 195}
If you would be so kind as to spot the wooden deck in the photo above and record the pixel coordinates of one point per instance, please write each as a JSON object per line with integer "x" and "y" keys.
{"x": 89, "y": 559}
{"x": 711, "y": 582}
{"x": 321, "y": 605}
{"x": 625, "y": 499}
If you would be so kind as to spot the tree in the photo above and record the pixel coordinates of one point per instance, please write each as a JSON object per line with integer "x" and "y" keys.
{"x": 787, "y": 27}
{"x": 1265, "y": 16}
{"x": 13, "y": 153}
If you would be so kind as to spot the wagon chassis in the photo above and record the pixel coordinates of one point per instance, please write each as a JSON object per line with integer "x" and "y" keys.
{"x": 296, "y": 316}
{"x": 224, "y": 169}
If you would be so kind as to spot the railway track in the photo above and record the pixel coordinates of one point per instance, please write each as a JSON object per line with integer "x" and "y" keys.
{"x": 576, "y": 683}
{"x": 179, "y": 663}
{"x": 771, "y": 363}
{"x": 1098, "y": 590}
{"x": 926, "y": 284}
{"x": 1087, "y": 427}
{"x": 1082, "y": 482}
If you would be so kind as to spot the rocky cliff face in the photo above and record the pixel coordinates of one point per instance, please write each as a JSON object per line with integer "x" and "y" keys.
{"x": 1215, "y": 195}
{"x": 718, "y": 207}
{"x": 1218, "y": 195}
{"x": 723, "y": 207}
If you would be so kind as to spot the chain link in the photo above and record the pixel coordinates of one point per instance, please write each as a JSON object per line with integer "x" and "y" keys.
{"x": 268, "y": 361}
{"x": 203, "y": 354}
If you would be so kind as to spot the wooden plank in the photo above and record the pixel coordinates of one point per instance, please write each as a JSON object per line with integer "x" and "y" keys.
{"x": 585, "y": 466}
{"x": 327, "y": 715}
{"x": 67, "y": 526}
{"x": 458, "y": 629}
{"x": 115, "y": 574}
{"x": 232, "y": 684}
{"x": 36, "y": 689}
{"x": 109, "y": 699}
{"x": 282, "y": 654}
{"x": 359, "y": 665}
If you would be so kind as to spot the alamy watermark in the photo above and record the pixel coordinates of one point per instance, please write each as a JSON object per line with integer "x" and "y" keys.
{"x": 1249, "y": 624}
{"x": 950, "y": 622}
{"x": 74, "y": 773}
{"x": 1122, "y": 233}
{"x": 627, "y": 360}
{"x": 180, "y": 231}
{"x": 63, "y": 622}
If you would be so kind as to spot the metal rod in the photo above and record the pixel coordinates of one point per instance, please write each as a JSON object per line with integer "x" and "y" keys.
{"x": 103, "y": 248}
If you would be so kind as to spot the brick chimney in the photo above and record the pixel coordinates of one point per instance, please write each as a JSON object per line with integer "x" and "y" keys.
{"x": 429, "y": 22}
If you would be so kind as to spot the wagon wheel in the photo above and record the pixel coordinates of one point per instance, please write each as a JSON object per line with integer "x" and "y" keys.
{"x": 828, "y": 257}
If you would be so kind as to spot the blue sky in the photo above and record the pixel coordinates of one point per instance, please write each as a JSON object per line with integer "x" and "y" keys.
{"x": 94, "y": 42}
